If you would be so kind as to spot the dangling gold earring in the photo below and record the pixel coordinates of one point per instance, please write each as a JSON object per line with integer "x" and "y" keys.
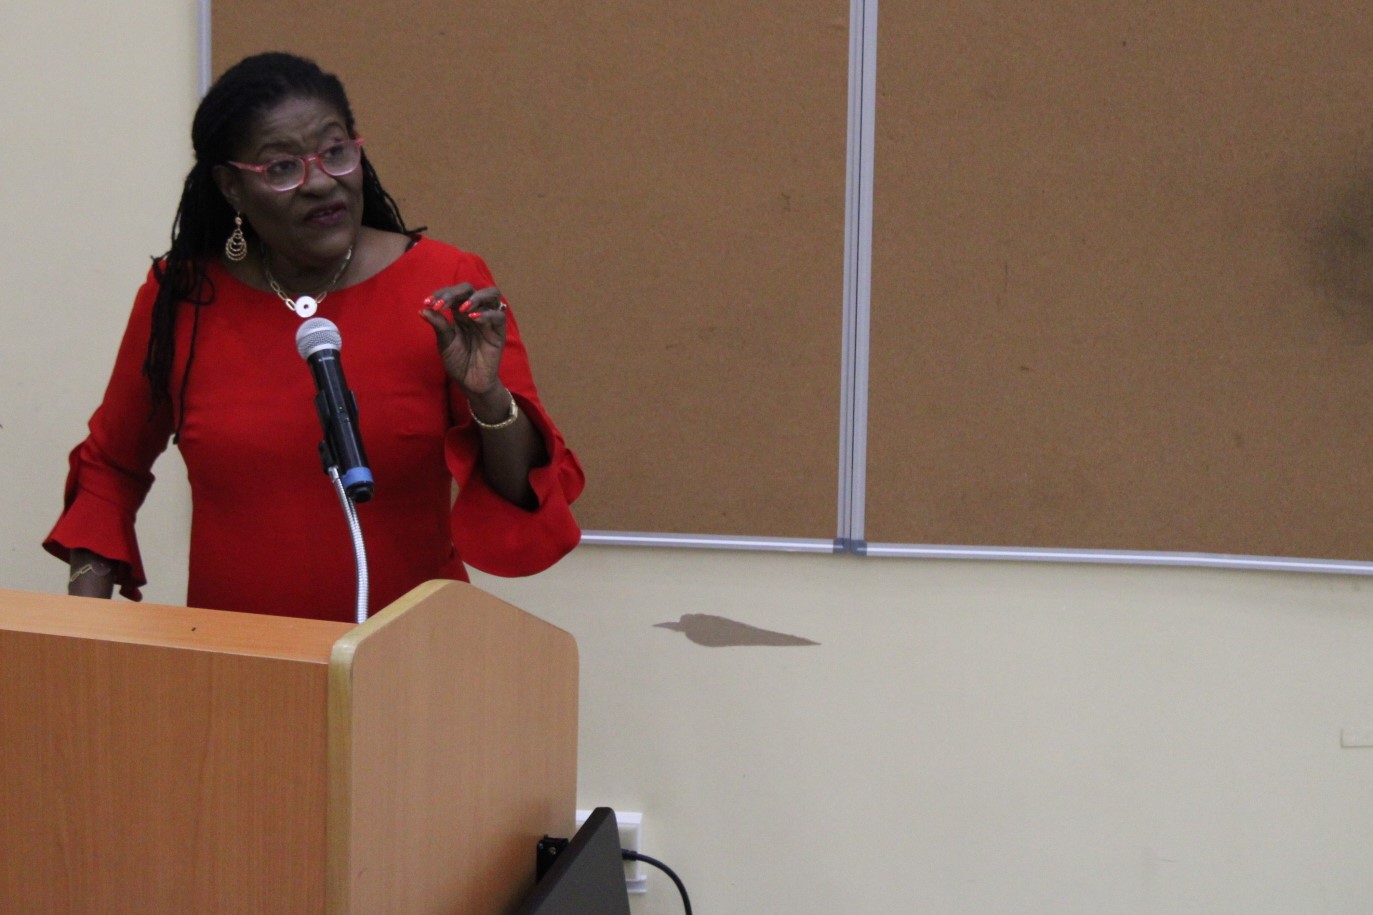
{"x": 236, "y": 248}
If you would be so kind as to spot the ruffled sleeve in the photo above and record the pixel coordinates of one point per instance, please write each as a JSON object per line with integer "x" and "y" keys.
{"x": 490, "y": 533}
{"x": 109, "y": 474}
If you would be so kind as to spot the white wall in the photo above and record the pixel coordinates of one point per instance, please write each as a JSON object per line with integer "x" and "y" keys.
{"x": 965, "y": 738}
{"x": 96, "y": 101}
{"x": 979, "y": 738}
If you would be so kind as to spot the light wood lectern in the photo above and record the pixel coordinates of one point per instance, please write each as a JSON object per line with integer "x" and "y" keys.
{"x": 162, "y": 759}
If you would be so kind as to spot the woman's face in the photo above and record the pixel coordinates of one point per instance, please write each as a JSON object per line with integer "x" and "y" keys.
{"x": 313, "y": 226}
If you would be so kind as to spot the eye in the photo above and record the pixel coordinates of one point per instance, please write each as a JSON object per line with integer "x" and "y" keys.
{"x": 282, "y": 168}
{"x": 335, "y": 152}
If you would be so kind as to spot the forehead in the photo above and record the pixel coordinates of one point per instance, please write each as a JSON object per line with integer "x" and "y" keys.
{"x": 291, "y": 123}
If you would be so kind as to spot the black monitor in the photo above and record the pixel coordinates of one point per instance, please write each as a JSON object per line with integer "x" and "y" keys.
{"x": 587, "y": 877}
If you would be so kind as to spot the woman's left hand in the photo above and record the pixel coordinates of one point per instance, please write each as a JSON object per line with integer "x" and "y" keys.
{"x": 470, "y": 327}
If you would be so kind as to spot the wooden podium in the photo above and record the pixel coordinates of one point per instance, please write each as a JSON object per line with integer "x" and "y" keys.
{"x": 160, "y": 759}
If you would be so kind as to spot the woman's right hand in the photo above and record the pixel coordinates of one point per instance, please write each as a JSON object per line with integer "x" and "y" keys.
{"x": 90, "y": 575}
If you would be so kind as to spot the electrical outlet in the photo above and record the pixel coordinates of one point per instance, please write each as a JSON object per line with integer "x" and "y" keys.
{"x": 631, "y": 839}
{"x": 1356, "y": 737}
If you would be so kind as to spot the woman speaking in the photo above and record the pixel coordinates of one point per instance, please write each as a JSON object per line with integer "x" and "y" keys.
{"x": 282, "y": 218}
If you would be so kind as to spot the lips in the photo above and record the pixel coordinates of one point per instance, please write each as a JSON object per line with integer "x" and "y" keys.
{"x": 327, "y": 216}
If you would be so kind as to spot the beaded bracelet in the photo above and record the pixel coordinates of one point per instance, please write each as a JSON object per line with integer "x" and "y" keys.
{"x": 514, "y": 415}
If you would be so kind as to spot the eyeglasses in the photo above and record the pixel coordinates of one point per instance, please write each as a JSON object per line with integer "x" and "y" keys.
{"x": 287, "y": 173}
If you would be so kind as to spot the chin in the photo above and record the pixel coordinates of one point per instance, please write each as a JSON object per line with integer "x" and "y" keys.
{"x": 332, "y": 245}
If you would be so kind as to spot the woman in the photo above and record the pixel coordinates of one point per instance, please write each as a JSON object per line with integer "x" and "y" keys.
{"x": 283, "y": 215}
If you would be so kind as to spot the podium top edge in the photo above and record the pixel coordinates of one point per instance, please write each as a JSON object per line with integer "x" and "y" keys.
{"x": 186, "y": 628}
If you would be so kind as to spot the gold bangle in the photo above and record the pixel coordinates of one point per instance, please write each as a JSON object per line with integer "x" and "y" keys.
{"x": 514, "y": 415}
{"x": 98, "y": 568}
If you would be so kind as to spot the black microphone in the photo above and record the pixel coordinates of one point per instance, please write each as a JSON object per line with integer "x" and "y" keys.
{"x": 318, "y": 343}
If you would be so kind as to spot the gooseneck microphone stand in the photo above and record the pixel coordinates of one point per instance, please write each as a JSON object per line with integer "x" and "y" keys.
{"x": 350, "y": 512}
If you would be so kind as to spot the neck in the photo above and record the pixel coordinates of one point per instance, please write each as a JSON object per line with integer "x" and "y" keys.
{"x": 298, "y": 280}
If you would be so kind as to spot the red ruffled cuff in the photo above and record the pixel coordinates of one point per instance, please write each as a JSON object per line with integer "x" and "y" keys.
{"x": 98, "y": 514}
{"x": 497, "y": 536}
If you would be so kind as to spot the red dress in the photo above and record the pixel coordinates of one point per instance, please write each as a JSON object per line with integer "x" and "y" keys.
{"x": 268, "y": 533}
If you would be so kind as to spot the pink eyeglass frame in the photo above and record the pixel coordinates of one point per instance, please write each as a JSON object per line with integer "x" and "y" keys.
{"x": 305, "y": 161}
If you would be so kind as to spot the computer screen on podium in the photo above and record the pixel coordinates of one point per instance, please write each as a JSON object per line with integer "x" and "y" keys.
{"x": 587, "y": 877}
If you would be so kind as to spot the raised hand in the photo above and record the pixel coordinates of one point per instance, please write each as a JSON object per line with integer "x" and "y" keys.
{"x": 469, "y": 325}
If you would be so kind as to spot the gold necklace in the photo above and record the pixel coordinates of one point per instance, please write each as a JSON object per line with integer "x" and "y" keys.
{"x": 305, "y": 306}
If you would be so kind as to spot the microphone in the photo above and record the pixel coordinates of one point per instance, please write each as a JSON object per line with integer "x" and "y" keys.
{"x": 318, "y": 342}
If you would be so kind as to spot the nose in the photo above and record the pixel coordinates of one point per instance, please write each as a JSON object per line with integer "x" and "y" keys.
{"x": 316, "y": 178}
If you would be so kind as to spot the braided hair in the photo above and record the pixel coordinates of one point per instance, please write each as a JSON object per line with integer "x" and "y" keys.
{"x": 204, "y": 218}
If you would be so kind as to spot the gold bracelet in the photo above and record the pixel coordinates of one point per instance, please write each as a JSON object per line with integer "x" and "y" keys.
{"x": 514, "y": 415}
{"x": 98, "y": 568}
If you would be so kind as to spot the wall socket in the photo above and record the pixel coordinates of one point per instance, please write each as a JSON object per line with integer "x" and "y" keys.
{"x": 631, "y": 839}
{"x": 1356, "y": 737}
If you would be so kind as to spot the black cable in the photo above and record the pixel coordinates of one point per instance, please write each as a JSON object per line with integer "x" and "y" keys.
{"x": 635, "y": 856}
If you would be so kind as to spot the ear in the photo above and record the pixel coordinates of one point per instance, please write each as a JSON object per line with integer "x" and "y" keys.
{"x": 230, "y": 184}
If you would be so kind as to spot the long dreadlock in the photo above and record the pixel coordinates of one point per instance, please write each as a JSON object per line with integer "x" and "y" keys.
{"x": 204, "y": 218}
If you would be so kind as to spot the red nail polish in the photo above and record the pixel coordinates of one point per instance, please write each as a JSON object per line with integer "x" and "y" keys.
{"x": 465, "y": 307}
{"x": 429, "y": 300}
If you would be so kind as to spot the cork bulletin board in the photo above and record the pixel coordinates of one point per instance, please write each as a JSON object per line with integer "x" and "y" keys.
{"x": 1122, "y": 259}
{"x": 659, "y": 190}
{"x": 1123, "y": 277}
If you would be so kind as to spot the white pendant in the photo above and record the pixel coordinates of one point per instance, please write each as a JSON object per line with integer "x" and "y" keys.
{"x": 305, "y": 306}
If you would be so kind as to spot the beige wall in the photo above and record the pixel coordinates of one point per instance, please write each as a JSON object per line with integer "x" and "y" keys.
{"x": 965, "y": 738}
{"x": 96, "y": 101}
